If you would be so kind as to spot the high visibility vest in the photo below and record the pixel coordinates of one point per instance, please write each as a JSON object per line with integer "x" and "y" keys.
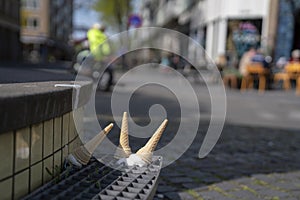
{"x": 96, "y": 39}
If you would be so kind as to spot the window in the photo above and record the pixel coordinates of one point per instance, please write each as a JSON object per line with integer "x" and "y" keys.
{"x": 31, "y": 4}
{"x": 31, "y": 22}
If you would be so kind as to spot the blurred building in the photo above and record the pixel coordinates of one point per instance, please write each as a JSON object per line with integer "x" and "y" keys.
{"x": 171, "y": 14}
{"x": 46, "y": 28}
{"x": 10, "y": 48}
{"x": 288, "y": 28}
{"x": 229, "y": 27}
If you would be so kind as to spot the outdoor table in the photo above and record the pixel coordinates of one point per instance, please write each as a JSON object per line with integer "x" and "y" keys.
{"x": 291, "y": 72}
{"x": 255, "y": 69}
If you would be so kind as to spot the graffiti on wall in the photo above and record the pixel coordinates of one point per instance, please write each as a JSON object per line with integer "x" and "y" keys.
{"x": 242, "y": 35}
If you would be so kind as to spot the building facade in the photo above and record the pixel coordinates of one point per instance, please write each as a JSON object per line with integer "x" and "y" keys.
{"x": 10, "y": 48}
{"x": 174, "y": 15}
{"x": 46, "y": 29}
{"x": 288, "y": 28}
{"x": 231, "y": 26}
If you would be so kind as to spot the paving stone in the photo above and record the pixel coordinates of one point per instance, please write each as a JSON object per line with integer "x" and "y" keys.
{"x": 186, "y": 196}
{"x": 182, "y": 180}
{"x": 287, "y": 185}
{"x": 213, "y": 195}
{"x": 295, "y": 193}
{"x": 192, "y": 185}
{"x": 172, "y": 196}
{"x": 158, "y": 196}
{"x": 202, "y": 189}
{"x": 256, "y": 187}
{"x": 226, "y": 175}
{"x": 179, "y": 196}
{"x": 243, "y": 194}
{"x": 273, "y": 193}
{"x": 166, "y": 188}
{"x": 291, "y": 198}
{"x": 244, "y": 180}
{"x": 210, "y": 180}
{"x": 227, "y": 186}
{"x": 267, "y": 178}
{"x": 198, "y": 174}
{"x": 170, "y": 174}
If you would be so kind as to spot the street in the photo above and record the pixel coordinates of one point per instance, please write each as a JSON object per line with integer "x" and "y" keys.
{"x": 255, "y": 158}
{"x": 20, "y": 72}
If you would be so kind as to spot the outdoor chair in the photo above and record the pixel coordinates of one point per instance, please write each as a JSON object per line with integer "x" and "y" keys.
{"x": 298, "y": 86}
{"x": 252, "y": 70}
{"x": 291, "y": 72}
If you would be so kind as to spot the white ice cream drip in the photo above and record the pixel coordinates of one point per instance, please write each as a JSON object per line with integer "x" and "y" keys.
{"x": 143, "y": 156}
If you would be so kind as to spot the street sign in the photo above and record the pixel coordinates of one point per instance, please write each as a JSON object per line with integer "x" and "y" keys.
{"x": 135, "y": 20}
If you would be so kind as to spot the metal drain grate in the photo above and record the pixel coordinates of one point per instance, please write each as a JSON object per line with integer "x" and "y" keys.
{"x": 98, "y": 181}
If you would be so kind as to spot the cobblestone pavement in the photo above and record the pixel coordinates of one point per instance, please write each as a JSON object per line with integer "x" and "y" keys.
{"x": 247, "y": 163}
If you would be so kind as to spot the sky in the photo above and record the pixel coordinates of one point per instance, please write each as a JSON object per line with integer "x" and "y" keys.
{"x": 85, "y": 16}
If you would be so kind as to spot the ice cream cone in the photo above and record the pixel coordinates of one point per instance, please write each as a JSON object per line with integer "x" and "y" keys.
{"x": 84, "y": 153}
{"x": 124, "y": 150}
{"x": 146, "y": 152}
{"x": 124, "y": 141}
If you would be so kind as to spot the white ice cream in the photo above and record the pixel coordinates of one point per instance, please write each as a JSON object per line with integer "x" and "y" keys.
{"x": 132, "y": 160}
{"x": 73, "y": 161}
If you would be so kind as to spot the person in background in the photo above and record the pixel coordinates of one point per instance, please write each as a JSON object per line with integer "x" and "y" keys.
{"x": 100, "y": 51}
{"x": 246, "y": 60}
{"x": 280, "y": 64}
{"x": 176, "y": 62}
{"x": 96, "y": 38}
{"x": 295, "y": 56}
{"x": 221, "y": 63}
{"x": 259, "y": 58}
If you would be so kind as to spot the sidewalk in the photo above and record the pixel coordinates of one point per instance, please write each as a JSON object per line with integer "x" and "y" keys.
{"x": 247, "y": 163}
{"x": 25, "y": 72}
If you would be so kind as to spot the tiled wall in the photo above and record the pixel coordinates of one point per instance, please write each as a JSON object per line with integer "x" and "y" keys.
{"x": 28, "y": 155}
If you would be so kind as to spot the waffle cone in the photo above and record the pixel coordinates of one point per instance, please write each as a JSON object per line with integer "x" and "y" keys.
{"x": 95, "y": 141}
{"x": 146, "y": 152}
{"x": 124, "y": 141}
{"x": 145, "y": 155}
{"x": 82, "y": 155}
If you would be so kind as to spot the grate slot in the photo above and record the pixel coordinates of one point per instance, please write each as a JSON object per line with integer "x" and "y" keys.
{"x": 133, "y": 190}
{"x": 111, "y": 193}
{"x": 142, "y": 181}
{"x": 117, "y": 188}
{"x": 122, "y": 198}
{"x": 129, "y": 195}
{"x": 106, "y": 197}
{"x": 137, "y": 185}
